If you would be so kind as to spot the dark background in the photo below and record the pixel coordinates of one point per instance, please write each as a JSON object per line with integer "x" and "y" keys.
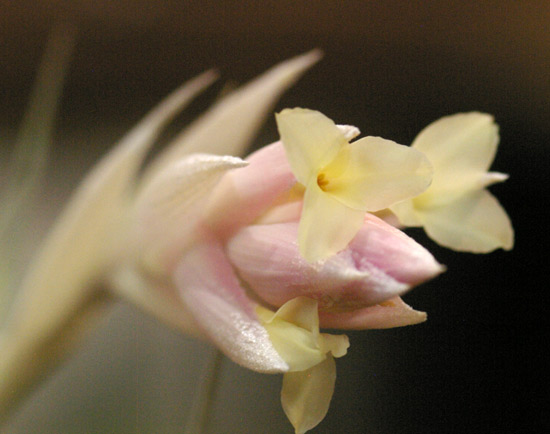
{"x": 390, "y": 68}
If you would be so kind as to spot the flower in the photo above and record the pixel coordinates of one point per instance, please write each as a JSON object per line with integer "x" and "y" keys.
{"x": 91, "y": 251}
{"x": 308, "y": 384}
{"x": 245, "y": 259}
{"x": 457, "y": 211}
{"x": 173, "y": 238}
{"x": 344, "y": 180}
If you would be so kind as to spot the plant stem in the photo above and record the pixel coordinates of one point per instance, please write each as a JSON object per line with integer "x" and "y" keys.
{"x": 198, "y": 415}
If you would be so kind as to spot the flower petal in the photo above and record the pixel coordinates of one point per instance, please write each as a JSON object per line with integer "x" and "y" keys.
{"x": 326, "y": 225}
{"x": 373, "y": 173}
{"x": 475, "y": 223}
{"x": 228, "y": 127}
{"x": 306, "y": 394}
{"x": 406, "y": 214}
{"x": 168, "y": 207}
{"x": 311, "y": 141}
{"x": 213, "y": 295}
{"x": 294, "y": 332}
{"x": 389, "y": 314}
{"x": 461, "y": 148}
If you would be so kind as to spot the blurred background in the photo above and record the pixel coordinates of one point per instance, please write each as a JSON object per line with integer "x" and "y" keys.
{"x": 390, "y": 68}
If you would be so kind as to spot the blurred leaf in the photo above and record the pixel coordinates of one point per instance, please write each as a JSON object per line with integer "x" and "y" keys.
{"x": 29, "y": 159}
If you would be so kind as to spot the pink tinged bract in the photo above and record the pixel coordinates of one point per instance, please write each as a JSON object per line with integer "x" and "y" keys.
{"x": 391, "y": 313}
{"x": 379, "y": 264}
{"x": 243, "y": 195}
{"x": 212, "y": 293}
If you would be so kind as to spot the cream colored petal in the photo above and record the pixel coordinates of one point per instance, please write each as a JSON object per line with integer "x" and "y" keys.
{"x": 294, "y": 332}
{"x": 337, "y": 345}
{"x": 229, "y": 126}
{"x": 373, "y": 173}
{"x": 461, "y": 148}
{"x": 475, "y": 223}
{"x": 406, "y": 213}
{"x": 326, "y": 225}
{"x": 168, "y": 208}
{"x": 297, "y": 346}
{"x": 301, "y": 311}
{"x": 311, "y": 141}
{"x": 350, "y": 132}
{"x": 491, "y": 178}
{"x": 155, "y": 297}
{"x": 306, "y": 395}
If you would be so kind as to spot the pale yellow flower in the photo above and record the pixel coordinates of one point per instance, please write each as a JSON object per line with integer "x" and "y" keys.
{"x": 344, "y": 180}
{"x": 457, "y": 211}
{"x": 308, "y": 384}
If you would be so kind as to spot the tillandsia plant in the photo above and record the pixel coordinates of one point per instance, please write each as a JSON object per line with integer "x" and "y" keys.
{"x": 257, "y": 255}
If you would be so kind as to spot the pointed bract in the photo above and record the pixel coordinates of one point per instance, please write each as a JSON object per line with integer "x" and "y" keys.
{"x": 380, "y": 263}
{"x": 228, "y": 127}
{"x": 210, "y": 289}
{"x": 168, "y": 209}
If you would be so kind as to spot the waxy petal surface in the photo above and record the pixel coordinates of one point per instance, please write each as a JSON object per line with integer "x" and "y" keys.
{"x": 243, "y": 195}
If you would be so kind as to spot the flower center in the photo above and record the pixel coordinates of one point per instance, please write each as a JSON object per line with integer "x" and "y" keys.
{"x": 322, "y": 181}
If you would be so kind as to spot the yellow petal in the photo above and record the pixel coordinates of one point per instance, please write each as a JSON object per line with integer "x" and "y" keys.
{"x": 474, "y": 223}
{"x": 311, "y": 141}
{"x": 306, "y": 395}
{"x": 337, "y": 345}
{"x": 406, "y": 213}
{"x": 461, "y": 148}
{"x": 297, "y": 346}
{"x": 302, "y": 312}
{"x": 373, "y": 173}
{"x": 326, "y": 225}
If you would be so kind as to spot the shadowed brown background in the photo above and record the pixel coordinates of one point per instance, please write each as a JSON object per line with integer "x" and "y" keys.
{"x": 390, "y": 68}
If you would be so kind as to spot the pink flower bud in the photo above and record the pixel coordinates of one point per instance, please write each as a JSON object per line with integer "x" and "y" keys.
{"x": 379, "y": 264}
